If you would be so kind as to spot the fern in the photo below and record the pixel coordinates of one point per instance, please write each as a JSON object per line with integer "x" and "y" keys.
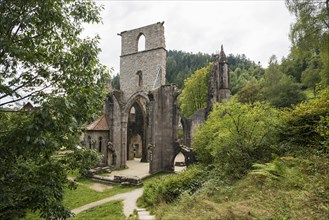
{"x": 283, "y": 169}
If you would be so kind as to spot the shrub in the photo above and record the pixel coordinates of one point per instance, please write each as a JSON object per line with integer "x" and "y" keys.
{"x": 302, "y": 127}
{"x": 169, "y": 188}
{"x": 237, "y": 135}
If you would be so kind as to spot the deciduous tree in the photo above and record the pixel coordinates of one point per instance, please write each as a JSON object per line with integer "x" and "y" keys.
{"x": 278, "y": 88}
{"x": 195, "y": 92}
{"x": 43, "y": 59}
{"x": 310, "y": 32}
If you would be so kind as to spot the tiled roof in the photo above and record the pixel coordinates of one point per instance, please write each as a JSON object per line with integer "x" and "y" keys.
{"x": 101, "y": 124}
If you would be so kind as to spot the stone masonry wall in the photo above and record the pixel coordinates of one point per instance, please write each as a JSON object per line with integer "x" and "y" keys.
{"x": 95, "y": 140}
{"x": 149, "y": 63}
{"x": 154, "y": 36}
{"x": 163, "y": 121}
{"x": 114, "y": 113}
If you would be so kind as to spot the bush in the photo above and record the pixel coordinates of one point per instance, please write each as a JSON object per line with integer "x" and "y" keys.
{"x": 237, "y": 135}
{"x": 302, "y": 127}
{"x": 169, "y": 188}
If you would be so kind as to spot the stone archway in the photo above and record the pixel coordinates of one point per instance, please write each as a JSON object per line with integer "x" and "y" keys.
{"x": 136, "y": 130}
{"x": 134, "y": 147}
{"x": 187, "y": 152}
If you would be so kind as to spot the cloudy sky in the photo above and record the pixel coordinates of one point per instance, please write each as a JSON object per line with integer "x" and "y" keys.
{"x": 256, "y": 28}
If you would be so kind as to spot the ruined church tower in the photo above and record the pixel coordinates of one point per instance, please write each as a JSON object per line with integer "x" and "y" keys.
{"x": 142, "y": 114}
{"x": 143, "y": 59}
{"x": 219, "y": 81}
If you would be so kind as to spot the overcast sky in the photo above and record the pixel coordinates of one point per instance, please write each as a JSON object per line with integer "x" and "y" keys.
{"x": 256, "y": 28}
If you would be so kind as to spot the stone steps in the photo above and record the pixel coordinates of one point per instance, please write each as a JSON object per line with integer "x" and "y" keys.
{"x": 143, "y": 214}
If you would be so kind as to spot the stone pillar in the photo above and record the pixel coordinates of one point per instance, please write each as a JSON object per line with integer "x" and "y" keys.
{"x": 123, "y": 155}
{"x": 163, "y": 128}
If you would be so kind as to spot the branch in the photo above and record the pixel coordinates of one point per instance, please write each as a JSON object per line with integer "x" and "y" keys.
{"x": 31, "y": 38}
{"x": 12, "y": 111}
{"x": 19, "y": 87}
{"x": 29, "y": 95}
{"x": 10, "y": 29}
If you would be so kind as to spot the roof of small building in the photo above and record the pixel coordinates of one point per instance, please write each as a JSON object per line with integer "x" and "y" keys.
{"x": 28, "y": 106}
{"x": 101, "y": 124}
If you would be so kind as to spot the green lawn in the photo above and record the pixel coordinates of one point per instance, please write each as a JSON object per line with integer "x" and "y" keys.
{"x": 84, "y": 195}
{"x": 112, "y": 210}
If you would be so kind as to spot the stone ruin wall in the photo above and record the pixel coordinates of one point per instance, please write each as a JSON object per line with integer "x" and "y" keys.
{"x": 151, "y": 62}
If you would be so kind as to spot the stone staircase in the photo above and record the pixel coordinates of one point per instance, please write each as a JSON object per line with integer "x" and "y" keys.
{"x": 143, "y": 214}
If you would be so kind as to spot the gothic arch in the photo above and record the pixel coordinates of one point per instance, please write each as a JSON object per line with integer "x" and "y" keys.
{"x": 141, "y": 42}
{"x": 136, "y": 127}
{"x": 136, "y": 97}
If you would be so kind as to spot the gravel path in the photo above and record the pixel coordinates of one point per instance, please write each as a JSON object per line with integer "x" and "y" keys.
{"x": 129, "y": 202}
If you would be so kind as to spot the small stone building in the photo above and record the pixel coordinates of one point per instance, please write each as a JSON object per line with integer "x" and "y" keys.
{"x": 27, "y": 107}
{"x": 97, "y": 137}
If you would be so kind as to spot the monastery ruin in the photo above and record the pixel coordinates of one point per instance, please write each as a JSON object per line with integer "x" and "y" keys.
{"x": 141, "y": 119}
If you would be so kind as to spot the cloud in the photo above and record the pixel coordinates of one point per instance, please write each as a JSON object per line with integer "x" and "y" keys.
{"x": 257, "y": 29}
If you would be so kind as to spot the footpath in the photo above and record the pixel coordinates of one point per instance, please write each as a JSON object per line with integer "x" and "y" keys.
{"x": 129, "y": 204}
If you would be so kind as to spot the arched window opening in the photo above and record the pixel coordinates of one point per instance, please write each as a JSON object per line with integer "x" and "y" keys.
{"x": 140, "y": 78}
{"x": 89, "y": 142}
{"x": 114, "y": 159}
{"x": 179, "y": 162}
{"x": 132, "y": 116}
{"x": 100, "y": 144}
{"x": 141, "y": 42}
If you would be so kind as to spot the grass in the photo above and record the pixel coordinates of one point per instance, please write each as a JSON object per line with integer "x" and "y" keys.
{"x": 84, "y": 195}
{"x": 32, "y": 216}
{"x": 156, "y": 176}
{"x": 150, "y": 179}
{"x": 304, "y": 195}
{"x": 111, "y": 210}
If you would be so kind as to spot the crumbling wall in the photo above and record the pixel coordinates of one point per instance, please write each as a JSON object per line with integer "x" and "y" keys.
{"x": 197, "y": 119}
{"x": 113, "y": 110}
{"x": 163, "y": 127}
{"x": 190, "y": 125}
{"x": 218, "y": 82}
{"x": 142, "y": 70}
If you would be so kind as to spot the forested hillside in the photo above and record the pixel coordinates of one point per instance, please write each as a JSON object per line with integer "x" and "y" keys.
{"x": 181, "y": 65}
{"x": 264, "y": 154}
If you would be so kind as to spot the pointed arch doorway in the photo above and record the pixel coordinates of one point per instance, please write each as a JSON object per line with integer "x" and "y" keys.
{"x": 136, "y": 133}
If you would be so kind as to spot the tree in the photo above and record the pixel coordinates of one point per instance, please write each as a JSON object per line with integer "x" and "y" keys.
{"x": 180, "y": 65}
{"x": 116, "y": 82}
{"x": 195, "y": 92}
{"x": 311, "y": 76}
{"x": 43, "y": 59}
{"x": 300, "y": 127}
{"x": 278, "y": 88}
{"x": 294, "y": 64}
{"x": 250, "y": 93}
{"x": 311, "y": 30}
{"x": 242, "y": 71}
